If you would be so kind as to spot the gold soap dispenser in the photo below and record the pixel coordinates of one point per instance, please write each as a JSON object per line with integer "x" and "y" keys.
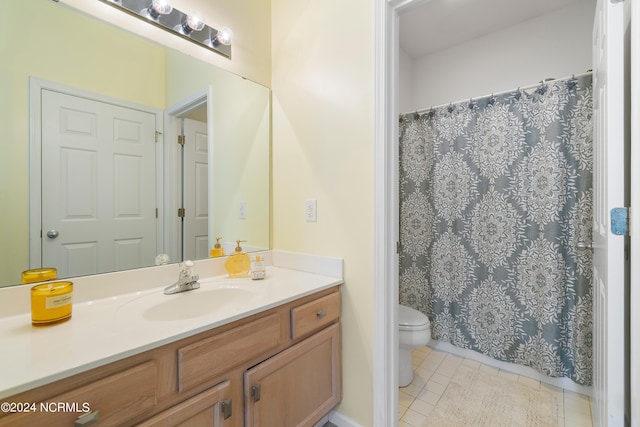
{"x": 238, "y": 263}
{"x": 217, "y": 250}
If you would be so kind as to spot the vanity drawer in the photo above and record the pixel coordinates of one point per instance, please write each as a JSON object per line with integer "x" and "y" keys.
{"x": 116, "y": 399}
{"x": 209, "y": 408}
{"x": 315, "y": 315}
{"x": 203, "y": 361}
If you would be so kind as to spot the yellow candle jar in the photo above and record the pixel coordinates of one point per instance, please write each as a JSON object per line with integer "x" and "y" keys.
{"x": 39, "y": 275}
{"x": 51, "y": 302}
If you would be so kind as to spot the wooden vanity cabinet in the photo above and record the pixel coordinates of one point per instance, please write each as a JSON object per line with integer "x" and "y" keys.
{"x": 299, "y": 385}
{"x": 296, "y": 387}
{"x": 291, "y": 351}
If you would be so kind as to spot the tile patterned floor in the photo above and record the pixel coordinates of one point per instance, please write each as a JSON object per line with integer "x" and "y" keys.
{"x": 433, "y": 370}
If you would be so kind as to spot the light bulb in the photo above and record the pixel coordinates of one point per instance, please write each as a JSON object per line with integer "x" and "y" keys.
{"x": 223, "y": 36}
{"x": 157, "y": 8}
{"x": 193, "y": 22}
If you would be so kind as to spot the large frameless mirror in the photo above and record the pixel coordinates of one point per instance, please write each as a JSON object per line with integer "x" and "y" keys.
{"x": 85, "y": 186}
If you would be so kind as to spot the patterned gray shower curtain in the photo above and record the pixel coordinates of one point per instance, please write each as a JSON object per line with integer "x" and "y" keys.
{"x": 495, "y": 196}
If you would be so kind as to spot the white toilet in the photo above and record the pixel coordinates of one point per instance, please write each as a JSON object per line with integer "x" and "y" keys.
{"x": 415, "y": 331}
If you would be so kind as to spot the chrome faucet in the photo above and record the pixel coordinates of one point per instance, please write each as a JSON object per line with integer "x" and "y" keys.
{"x": 187, "y": 280}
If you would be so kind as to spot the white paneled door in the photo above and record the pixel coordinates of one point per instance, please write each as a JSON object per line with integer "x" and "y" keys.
{"x": 609, "y": 186}
{"x": 98, "y": 185}
{"x": 195, "y": 190}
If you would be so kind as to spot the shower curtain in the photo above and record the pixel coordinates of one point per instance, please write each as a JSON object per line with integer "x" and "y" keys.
{"x": 495, "y": 198}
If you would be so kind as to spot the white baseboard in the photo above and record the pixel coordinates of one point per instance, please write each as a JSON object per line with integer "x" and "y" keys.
{"x": 322, "y": 422}
{"x": 341, "y": 421}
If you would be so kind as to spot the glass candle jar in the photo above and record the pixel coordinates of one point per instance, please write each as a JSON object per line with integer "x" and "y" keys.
{"x": 51, "y": 302}
{"x": 39, "y": 275}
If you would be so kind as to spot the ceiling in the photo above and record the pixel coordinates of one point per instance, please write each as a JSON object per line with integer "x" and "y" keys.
{"x": 433, "y": 25}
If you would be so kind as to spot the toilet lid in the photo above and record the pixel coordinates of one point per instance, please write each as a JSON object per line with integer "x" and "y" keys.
{"x": 408, "y": 316}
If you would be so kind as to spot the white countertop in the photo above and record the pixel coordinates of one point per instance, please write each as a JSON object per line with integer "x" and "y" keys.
{"x": 107, "y": 329}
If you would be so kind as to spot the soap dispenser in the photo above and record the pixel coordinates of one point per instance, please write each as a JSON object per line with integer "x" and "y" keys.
{"x": 217, "y": 250}
{"x": 238, "y": 264}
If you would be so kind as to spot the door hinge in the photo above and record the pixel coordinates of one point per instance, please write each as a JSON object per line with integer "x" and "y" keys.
{"x": 620, "y": 221}
{"x": 181, "y": 212}
{"x": 226, "y": 408}
{"x": 398, "y": 247}
{"x": 158, "y": 133}
{"x": 181, "y": 139}
{"x": 156, "y": 212}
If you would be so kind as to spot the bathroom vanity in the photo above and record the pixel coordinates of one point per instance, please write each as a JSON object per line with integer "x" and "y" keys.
{"x": 268, "y": 355}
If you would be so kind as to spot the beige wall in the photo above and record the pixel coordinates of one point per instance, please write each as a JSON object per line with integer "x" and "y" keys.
{"x": 323, "y": 62}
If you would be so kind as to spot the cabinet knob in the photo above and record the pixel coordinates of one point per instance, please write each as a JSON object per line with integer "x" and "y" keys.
{"x": 321, "y": 314}
{"x": 87, "y": 419}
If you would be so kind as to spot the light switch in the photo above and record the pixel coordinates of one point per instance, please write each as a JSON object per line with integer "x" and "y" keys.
{"x": 310, "y": 212}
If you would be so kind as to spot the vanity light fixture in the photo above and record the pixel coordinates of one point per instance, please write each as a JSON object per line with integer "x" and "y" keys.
{"x": 187, "y": 26}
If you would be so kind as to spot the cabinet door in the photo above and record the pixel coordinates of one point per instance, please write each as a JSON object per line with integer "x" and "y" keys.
{"x": 209, "y": 408}
{"x": 298, "y": 386}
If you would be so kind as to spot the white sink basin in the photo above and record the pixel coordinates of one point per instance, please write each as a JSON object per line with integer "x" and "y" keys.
{"x": 188, "y": 305}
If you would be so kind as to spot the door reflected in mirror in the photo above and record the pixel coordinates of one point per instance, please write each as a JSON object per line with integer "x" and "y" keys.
{"x": 226, "y": 170}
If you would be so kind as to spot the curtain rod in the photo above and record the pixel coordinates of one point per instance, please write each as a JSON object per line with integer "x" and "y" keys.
{"x": 543, "y": 82}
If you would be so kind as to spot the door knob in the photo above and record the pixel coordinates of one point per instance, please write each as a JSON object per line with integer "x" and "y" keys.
{"x": 52, "y": 234}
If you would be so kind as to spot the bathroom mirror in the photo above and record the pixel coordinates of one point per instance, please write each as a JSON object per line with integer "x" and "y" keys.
{"x": 54, "y": 45}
